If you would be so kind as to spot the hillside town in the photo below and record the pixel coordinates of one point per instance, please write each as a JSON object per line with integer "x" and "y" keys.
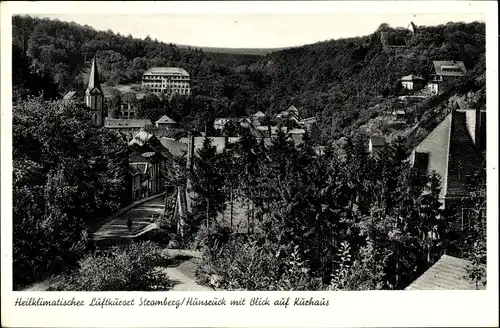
{"x": 403, "y": 176}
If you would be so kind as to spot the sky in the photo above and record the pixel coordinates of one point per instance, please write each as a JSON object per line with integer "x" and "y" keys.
{"x": 269, "y": 30}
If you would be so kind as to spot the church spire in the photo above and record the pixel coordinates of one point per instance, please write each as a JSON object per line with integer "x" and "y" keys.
{"x": 94, "y": 83}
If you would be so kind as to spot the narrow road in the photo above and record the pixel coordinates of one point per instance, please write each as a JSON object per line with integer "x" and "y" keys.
{"x": 183, "y": 282}
{"x": 116, "y": 231}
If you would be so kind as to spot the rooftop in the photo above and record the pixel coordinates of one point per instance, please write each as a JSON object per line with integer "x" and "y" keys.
{"x": 448, "y": 273}
{"x": 377, "y": 141}
{"x": 165, "y": 119}
{"x": 126, "y": 123}
{"x": 70, "y": 95}
{"x": 175, "y": 147}
{"x": 167, "y": 71}
{"x": 412, "y": 77}
{"x": 449, "y": 68}
{"x": 259, "y": 114}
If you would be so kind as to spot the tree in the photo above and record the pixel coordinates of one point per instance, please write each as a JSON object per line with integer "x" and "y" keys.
{"x": 115, "y": 105}
{"x": 66, "y": 173}
{"x": 208, "y": 183}
{"x": 150, "y": 107}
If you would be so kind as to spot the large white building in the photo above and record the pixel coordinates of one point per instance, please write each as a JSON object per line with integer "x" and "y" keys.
{"x": 167, "y": 80}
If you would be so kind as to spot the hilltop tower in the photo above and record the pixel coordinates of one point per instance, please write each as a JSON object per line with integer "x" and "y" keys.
{"x": 94, "y": 97}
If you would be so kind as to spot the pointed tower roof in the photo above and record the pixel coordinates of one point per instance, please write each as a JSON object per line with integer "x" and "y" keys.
{"x": 94, "y": 85}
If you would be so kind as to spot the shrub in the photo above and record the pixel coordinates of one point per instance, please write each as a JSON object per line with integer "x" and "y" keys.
{"x": 133, "y": 268}
{"x": 253, "y": 265}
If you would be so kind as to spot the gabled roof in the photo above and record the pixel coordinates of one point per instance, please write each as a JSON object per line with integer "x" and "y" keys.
{"x": 399, "y": 112}
{"x": 175, "y": 147}
{"x": 126, "y": 123}
{"x": 449, "y": 68}
{"x": 448, "y": 273}
{"x": 292, "y": 108}
{"x": 259, "y": 114}
{"x": 377, "y": 141}
{"x": 412, "y": 77}
{"x": 141, "y": 138}
{"x": 141, "y": 167}
{"x": 94, "y": 85}
{"x": 309, "y": 120}
{"x": 165, "y": 120}
{"x": 70, "y": 95}
{"x": 133, "y": 170}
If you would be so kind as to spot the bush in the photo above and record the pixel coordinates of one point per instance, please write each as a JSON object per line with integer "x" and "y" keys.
{"x": 252, "y": 265}
{"x": 133, "y": 268}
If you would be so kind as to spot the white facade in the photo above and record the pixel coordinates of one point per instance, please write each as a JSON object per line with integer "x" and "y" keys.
{"x": 167, "y": 80}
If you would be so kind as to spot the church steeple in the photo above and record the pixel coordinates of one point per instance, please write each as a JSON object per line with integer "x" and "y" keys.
{"x": 94, "y": 97}
{"x": 94, "y": 85}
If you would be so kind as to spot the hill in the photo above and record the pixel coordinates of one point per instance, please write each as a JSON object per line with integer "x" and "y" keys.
{"x": 234, "y": 51}
{"x": 339, "y": 81}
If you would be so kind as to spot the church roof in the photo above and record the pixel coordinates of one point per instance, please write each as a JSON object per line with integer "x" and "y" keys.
{"x": 94, "y": 85}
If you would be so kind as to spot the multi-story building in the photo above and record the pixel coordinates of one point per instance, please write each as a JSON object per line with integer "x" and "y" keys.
{"x": 167, "y": 80}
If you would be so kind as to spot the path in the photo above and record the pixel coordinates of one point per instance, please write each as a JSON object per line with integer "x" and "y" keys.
{"x": 116, "y": 231}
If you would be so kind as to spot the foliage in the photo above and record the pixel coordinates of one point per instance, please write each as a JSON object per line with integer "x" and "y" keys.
{"x": 133, "y": 268}
{"x": 66, "y": 173}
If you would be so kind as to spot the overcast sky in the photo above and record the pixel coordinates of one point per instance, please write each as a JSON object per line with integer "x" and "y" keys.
{"x": 253, "y": 24}
{"x": 253, "y": 31}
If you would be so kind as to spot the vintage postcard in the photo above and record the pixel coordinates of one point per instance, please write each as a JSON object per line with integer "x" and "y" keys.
{"x": 249, "y": 164}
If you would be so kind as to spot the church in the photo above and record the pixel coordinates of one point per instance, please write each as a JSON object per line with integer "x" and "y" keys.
{"x": 94, "y": 96}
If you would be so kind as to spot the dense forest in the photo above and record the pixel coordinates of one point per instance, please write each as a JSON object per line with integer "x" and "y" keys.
{"x": 317, "y": 222}
{"x": 338, "y": 81}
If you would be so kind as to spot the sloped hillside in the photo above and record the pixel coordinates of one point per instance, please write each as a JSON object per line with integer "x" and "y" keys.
{"x": 341, "y": 82}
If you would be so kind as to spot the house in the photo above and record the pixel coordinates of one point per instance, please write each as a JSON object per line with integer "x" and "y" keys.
{"x": 166, "y": 122}
{"x": 455, "y": 151}
{"x": 292, "y": 113}
{"x": 398, "y": 115}
{"x": 413, "y": 82}
{"x": 307, "y": 123}
{"x": 152, "y": 159}
{"x": 127, "y": 127}
{"x": 144, "y": 141}
{"x": 73, "y": 95}
{"x": 445, "y": 71}
{"x": 149, "y": 166}
{"x": 128, "y": 105}
{"x": 256, "y": 118}
{"x": 134, "y": 177}
{"x": 448, "y": 273}
{"x": 269, "y": 131}
{"x": 375, "y": 144}
{"x": 259, "y": 114}
{"x": 167, "y": 80}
